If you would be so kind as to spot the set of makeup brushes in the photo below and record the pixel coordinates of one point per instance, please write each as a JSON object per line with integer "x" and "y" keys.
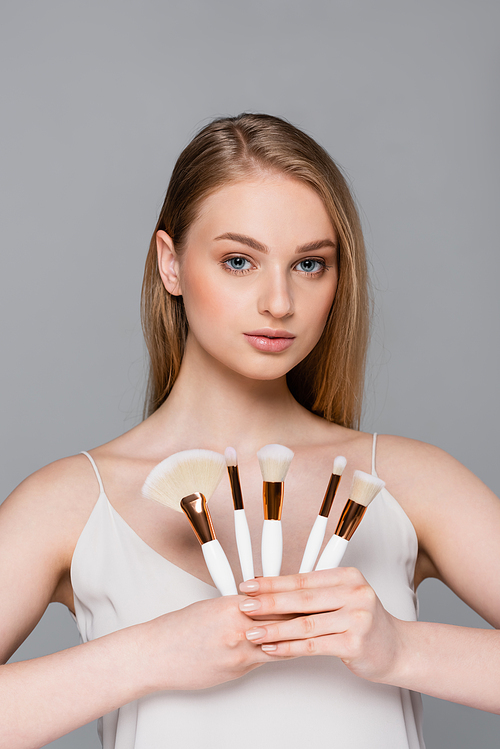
{"x": 186, "y": 481}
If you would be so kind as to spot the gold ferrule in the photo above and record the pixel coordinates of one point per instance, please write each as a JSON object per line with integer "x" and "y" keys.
{"x": 196, "y": 510}
{"x": 329, "y": 495}
{"x": 234, "y": 479}
{"x": 273, "y": 499}
{"x": 350, "y": 519}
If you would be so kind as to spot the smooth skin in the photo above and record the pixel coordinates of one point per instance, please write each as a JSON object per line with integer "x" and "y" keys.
{"x": 260, "y": 255}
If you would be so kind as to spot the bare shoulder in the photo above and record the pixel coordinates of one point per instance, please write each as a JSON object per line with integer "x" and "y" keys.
{"x": 48, "y": 510}
{"x": 418, "y": 471}
{"x": 65, "y": 486}
{"x": 40, "y": 523}
{"x": 455, "y": 515}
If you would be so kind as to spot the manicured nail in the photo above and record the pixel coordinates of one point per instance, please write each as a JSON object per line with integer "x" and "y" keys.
{"x": 251, "y": 604}
{"x": 249, "y": 586}
{"x": 256, "y": 634}
{"x": 268, "y": 648}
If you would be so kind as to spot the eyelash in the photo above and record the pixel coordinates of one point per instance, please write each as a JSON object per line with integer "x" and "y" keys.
{"x": 312, "y": 274}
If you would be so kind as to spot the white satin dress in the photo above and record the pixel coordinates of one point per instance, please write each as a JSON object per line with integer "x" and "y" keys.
{"x": 118, "y": 581}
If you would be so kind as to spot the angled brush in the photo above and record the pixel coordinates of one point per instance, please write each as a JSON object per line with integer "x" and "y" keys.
{"x": 184, "y": 482}
{"x": 364, "y": 489}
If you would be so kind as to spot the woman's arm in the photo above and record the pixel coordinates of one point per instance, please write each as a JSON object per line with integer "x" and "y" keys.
{"x": 196, "y": 647}
{"x": 46, "y": 697}
{"x": 457, "y": 520}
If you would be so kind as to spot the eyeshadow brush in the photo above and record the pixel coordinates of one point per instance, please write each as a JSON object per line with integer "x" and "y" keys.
{"x": 243, "y": 540}
{"x": 318, "y": 530}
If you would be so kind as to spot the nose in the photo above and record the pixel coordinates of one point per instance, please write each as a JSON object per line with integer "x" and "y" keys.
{"x": 276, "y": 297}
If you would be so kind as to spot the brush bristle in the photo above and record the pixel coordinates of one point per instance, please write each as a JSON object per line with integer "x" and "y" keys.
{"x": 182, "y": 474}
{"x": 274, "y": 461}
{"x": 338, "y": 465}
{"x": 365, "y": 488}
{"x": 230, "y": 456}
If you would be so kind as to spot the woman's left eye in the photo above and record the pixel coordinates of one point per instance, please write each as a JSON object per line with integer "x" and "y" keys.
{"x": 311, "y": 266}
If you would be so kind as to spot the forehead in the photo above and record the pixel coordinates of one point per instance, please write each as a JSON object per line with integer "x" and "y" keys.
{"x": 274, "y": 209}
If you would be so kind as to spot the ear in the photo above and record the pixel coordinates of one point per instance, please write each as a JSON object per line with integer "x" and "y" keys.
{"x": 168, "y": 263}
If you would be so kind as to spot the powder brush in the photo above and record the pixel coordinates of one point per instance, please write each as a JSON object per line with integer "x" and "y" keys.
{"x": 185, "y": 481}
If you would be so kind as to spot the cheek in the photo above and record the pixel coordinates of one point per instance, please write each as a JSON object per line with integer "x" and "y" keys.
{"x": 205, "y": 300}
{"x": 323, "y": 305}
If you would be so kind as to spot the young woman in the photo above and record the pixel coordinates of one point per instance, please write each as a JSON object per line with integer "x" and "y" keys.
{"x": 255, "y": 314}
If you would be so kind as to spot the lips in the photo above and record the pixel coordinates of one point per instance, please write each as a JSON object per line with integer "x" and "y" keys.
{"x": 270, "y": 340}
{"x": 271, "y": 333}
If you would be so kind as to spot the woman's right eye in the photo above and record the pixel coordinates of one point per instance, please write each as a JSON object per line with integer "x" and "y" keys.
{"x": 237, "y": 264}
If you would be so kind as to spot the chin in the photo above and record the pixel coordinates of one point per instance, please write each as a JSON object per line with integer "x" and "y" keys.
{"x": 255, "y": 365}
{"x": 267, "y": 369}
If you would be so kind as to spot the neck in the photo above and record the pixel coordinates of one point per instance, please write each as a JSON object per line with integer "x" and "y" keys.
{"x": 212, "y": 407}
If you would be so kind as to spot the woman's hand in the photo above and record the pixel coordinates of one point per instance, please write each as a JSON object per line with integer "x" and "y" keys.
{"x": 336, "y": 613}
{"x": 201, "y": 645}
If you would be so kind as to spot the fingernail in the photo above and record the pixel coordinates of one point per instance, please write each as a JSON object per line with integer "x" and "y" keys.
{"x": 268, "y": 648}
{"x": 251, "y": 604}
{"x": 249, "y": 586}
{"x": 256, "y": 634}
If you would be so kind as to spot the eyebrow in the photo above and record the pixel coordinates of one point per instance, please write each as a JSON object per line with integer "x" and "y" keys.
{"x": 255, "y": 245}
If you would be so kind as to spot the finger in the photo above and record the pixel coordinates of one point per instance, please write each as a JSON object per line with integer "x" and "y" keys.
{"x": 258, "y": 656}
{"x": 301, "y": 581}
{"x": 307, "y": 601}
{"x": 261, "y": 656}
{"x": 334, "y": 645}
{"x": 300, "y": 628}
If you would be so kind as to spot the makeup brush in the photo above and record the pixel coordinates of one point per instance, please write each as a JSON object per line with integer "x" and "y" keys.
{"x": 274, "y": 461}
{"x": 317, "y": 533}
{"x": 184, "y": 482}
{"x": 243, "y": 540}
{"x": 364, "y": 489}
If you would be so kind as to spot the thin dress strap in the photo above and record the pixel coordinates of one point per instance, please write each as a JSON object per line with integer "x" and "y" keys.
{"x": 96, "y": 471}
{"x": 374, "y": 448}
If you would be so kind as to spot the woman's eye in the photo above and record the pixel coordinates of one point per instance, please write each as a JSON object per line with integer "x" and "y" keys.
{"x": 310, "y": 266}
{"x": 237, "y": 264}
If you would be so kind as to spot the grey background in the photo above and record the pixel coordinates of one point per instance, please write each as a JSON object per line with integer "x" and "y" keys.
{"x": 98, "y": 99}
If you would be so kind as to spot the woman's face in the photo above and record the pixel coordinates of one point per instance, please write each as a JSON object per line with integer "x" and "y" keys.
{"x": 258, "y": 275}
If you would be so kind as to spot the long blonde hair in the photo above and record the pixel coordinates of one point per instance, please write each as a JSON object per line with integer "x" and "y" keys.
{"x": 330, "y": 380}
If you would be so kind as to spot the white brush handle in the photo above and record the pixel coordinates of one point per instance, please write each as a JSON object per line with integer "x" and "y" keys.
{"x": 219, "y": 568}
{"x": 272, "y": 548}
{"x": 244, "y": 544}
{"x": 332, "y": 553}
{"x": 313, "y": 545}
